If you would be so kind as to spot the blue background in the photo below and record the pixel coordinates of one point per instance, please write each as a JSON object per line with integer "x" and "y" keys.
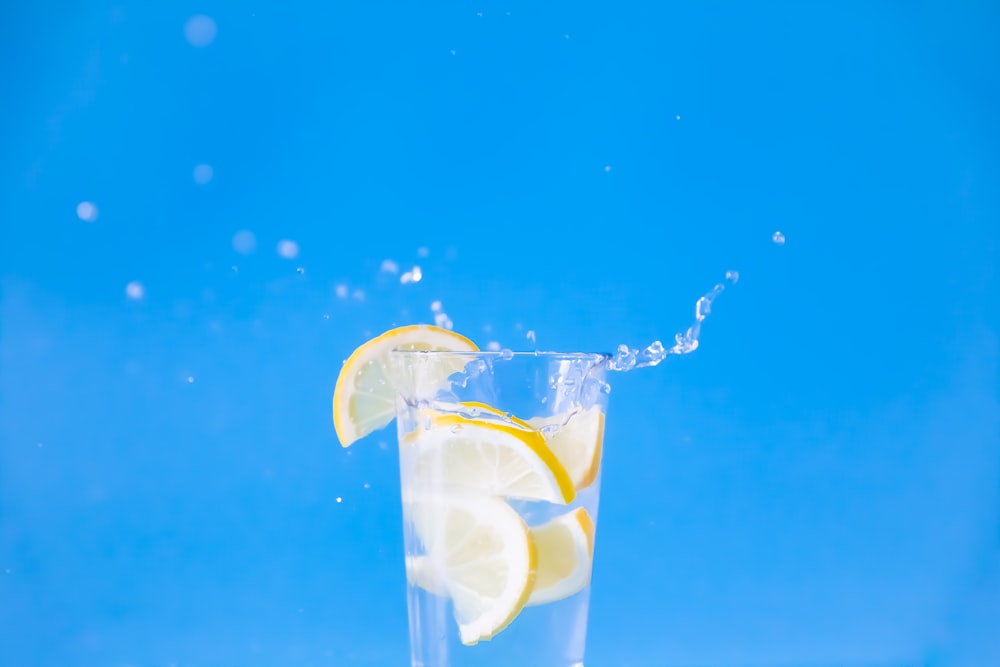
{"x": 818, "y": 484}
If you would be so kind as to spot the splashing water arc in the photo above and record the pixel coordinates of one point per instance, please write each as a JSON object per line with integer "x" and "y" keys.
{"x": 628, "y": 358}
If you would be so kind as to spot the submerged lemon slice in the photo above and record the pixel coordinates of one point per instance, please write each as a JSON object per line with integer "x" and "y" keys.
{"x": 485, "y": 456}
{"x": 364, "y": 398}
{"x": 479, "y": 552}
{"x": 576, "y": 438}
{"x": 565, "y": 555}
{"x": 565, "y": 552}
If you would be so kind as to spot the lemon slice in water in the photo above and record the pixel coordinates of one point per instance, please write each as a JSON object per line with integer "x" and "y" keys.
{"x": 565, "y": 552}
{"x": 479, "y": 552}
{"x": 576, "y": 438}
{"x": 565, "y": 555}
{"x": 484, "y": 456}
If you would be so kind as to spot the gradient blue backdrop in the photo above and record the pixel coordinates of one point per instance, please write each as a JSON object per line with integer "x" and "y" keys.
{"x": 818, "y": 484}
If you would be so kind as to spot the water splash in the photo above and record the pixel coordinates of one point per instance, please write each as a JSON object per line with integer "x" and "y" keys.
{"x": 628, "y": 358}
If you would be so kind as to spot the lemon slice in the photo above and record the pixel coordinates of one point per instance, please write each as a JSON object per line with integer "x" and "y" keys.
{"x": 477, "y": 410}
{"x": 565, "y": 551}
{"x": 479, "y": 551}
{"x": 576, "y": 438}
{"x": 565, "y": 555}
{"x": 364, "y": 398}
{"x": 485, "y": 456}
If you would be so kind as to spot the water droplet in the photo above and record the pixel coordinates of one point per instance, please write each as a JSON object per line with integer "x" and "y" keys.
{"x": 414, "y": 275}
{"x": 778, "y": 238}
{"x": 366, "y": 485}
{"x": 339, "y": 499}
{"x": 506, "y": 354}
{"x": 389, "y": 266}
{"x": 134, "y": 290}
{"x": 435, "y": 306}
{"x": 203, "y": 174}
{"x": 200, "y": 30}
{"x": 678, "y": 117}
{"x": 244, "y": 242}
{"x": 493, "y": 346}
{"x": 87, "y": 211}
{"x": 340, "y": 291}
{"x": 442, "y": 320}
{"x": 702, "y": 308}
{"x": 288, "y": 249}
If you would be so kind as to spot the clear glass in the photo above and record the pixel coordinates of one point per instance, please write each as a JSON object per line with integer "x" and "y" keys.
{"x": 451, "y": 403}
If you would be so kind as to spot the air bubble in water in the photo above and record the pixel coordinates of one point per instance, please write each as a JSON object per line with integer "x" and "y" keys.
{"x": 506, "y": 354}
{"x": 341, "y": 291}
{"x": 493, "y": 346}
{"x": 778, "y": 238}
{"x": 435, "y": 306}
{"x": 389, "y": 266}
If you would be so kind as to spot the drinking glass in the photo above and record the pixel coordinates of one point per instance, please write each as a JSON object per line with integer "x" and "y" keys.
{"x": 500, "y": 457}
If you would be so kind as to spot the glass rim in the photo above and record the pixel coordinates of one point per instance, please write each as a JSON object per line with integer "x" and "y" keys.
{"x": 504, "y": 354}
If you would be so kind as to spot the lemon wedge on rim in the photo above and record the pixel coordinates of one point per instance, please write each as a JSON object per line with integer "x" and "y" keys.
{"x": 364, "y": 397}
